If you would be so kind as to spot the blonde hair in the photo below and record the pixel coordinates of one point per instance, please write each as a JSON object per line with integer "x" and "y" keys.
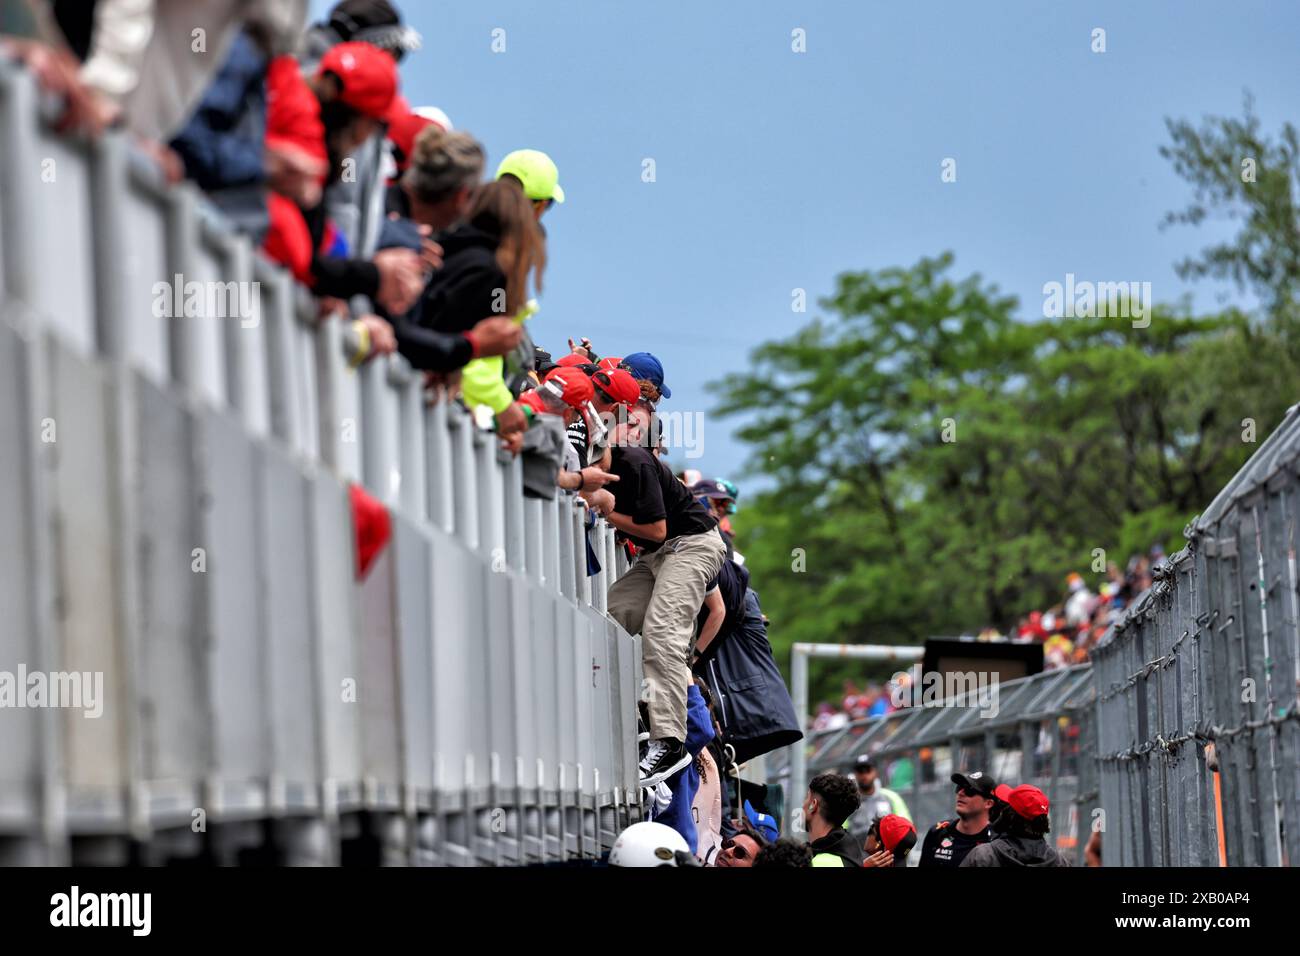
{"x": 442, "y": 163}
{"x": 502, "y": 207}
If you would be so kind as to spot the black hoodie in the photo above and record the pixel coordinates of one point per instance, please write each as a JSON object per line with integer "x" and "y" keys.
{"x": 1007, "y": 850}
{"x": 470, "y": 285}
{"x": 837, "y": 848}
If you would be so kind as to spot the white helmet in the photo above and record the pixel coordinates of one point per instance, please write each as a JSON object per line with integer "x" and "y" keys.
{"x": 648, "y": 844}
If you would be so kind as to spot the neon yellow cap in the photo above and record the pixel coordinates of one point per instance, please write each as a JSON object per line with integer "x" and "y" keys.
{"x": 536, "y": 171}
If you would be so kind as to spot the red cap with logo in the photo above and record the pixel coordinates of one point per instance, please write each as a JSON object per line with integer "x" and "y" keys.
{"x": 1028, "y": 801}
{"x": 572, "y": 360}
{"x": 618, "y": 384}
{"x": 368, "y": 75}
{"x": 576, "y": 388}
{"x": 892, "y": 830}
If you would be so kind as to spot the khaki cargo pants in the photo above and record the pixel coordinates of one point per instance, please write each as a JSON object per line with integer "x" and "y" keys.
{"x": 659, "y": 597}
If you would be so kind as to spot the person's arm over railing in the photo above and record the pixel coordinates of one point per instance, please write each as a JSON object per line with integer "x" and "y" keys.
{"x": 655, "y": 531}
{"x": 430, "y": 350}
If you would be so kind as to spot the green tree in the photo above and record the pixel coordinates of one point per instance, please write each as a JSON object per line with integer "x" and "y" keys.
{"x": 1240, "y": 174}
{"x": 939, "y": 465}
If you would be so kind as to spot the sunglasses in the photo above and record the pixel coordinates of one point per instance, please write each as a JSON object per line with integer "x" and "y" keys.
{"x": 737, "y": 850}
{"x": 966, "y": 791}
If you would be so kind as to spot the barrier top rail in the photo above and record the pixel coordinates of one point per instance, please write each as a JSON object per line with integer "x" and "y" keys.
{"x": 1065, "y": 690}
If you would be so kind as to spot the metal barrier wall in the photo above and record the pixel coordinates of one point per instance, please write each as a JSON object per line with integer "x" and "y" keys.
{"x": 1203, "y": 669}
{"x": 1038, "y": 732}
{"x": 1180, "y": 740}
{"x": 179, "y": 522}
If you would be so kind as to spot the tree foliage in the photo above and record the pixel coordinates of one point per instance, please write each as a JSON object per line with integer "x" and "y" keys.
{"x": 938, "y": 464}
{"x": 1241, "y": 175}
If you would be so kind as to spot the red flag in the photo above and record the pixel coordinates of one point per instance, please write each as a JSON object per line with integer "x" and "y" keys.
{"x": 372, "y": 525}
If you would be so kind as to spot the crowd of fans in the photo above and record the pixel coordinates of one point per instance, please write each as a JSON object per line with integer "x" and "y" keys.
{"x": 853, "y": 822}
{"x": 301, "y": 138}
{"x": 1068, "y": 630}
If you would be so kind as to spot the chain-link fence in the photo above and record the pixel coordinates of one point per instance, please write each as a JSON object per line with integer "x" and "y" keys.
{"x": 1179, "y": 743}
{"x": 1198, "y": 736}
{"x": 1035, "y": 730}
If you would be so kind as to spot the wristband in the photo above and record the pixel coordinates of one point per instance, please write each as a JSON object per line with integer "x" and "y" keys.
{"x": 363, "y": 339}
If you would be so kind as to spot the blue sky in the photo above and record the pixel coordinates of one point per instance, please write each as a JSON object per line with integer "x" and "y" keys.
{"x": 777, "y": 170}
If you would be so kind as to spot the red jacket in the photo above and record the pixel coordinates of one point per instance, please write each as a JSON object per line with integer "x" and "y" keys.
{"x": 293, "y": 122}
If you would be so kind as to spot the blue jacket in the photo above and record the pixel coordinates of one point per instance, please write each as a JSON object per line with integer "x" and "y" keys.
{"x": 685, "y": 783}
{"x": 221, "y": 144}
{"x": 749, "y": 694}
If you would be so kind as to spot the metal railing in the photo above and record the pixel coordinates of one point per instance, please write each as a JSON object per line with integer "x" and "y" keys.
{"x": 177, "y": 520}
{"x": 1179, "y": 743}
{"x": 1039, "y": 732}
{"x": 1202, "y": 673}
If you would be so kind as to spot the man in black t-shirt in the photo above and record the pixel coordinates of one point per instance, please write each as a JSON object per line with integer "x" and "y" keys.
{"x": 659, "y": 596}
{"x": 949, "y": 841}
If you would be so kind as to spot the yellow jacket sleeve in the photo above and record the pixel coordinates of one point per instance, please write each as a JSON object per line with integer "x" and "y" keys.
{"x": 482, "y": 383}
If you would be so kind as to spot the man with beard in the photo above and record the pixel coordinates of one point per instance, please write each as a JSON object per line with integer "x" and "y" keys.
{"x": 877, "y": 800}
{"x": 948, "y": 841}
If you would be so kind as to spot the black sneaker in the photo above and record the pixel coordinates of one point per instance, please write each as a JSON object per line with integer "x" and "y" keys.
{"x": 662, "y": 758}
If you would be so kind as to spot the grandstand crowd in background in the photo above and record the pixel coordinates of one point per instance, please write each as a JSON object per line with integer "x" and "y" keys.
{"x": 1068, "y": 630}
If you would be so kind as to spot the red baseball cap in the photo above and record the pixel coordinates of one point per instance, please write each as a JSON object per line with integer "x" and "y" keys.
{"x": 575, "y": 387}
{"x": 610, "y": 363}
{"x": 1029, "y": 802}
{"x": 892, "y": 830}
{"x": 572, "y": 360}
{"x": 618, "y": 384}
{"x": 404, "y": 125}
{"x": 368, "y": 75}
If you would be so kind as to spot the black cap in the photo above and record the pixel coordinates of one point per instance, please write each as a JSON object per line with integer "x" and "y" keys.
{"x": 542, "y": 361}
{"x": 976, "y": 780}
{"x": 865, "y": 762}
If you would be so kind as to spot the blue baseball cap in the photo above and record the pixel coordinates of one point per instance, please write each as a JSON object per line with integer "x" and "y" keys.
{"x": 764, "y": 823}
{"x": 645, "y": 366}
